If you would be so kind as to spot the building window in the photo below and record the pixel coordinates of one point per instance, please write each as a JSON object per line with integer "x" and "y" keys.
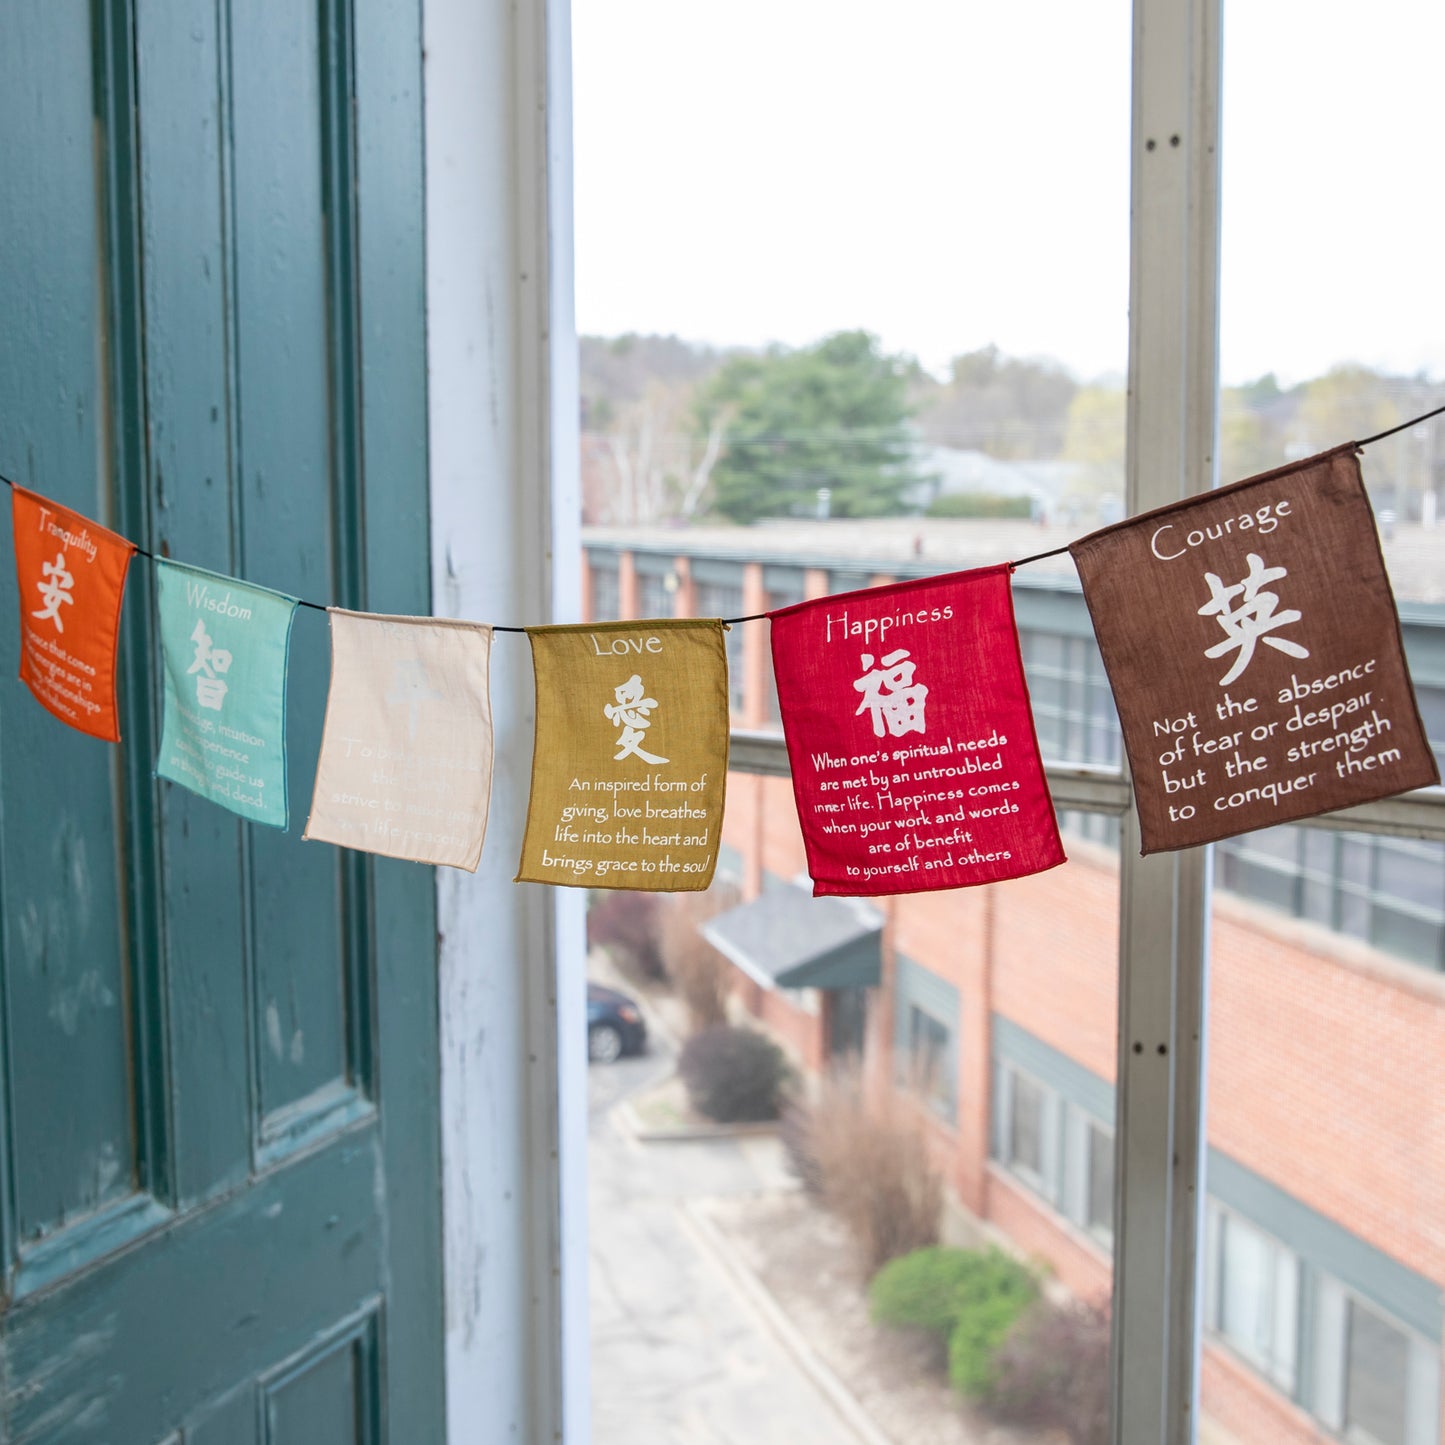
{"x": 606, "y": 597}
{"x": 1377, "y": 1381}
{"x": 1099, "y": 1195}
{"x": 1390, "y": 892}
{"x": 928, "y": 1069}
{"x": 1024, "y": 1136}
{"x": 1253, "y": 1300}
{"x": 653, "y": 598}
{"x": 777, "y": 599}
{"x": 719, "y": 600}
{"x": 1072, "y": 704}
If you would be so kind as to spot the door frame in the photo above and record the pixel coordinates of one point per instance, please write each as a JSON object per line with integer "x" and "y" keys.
{"x": 506, "y": 530}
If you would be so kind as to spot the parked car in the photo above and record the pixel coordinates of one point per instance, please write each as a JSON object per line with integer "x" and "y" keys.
{"x": 614, "y": 1025}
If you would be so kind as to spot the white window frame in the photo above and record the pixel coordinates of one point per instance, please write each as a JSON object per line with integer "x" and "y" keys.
{"x": 1331, "y": 1360}
{"x": 1044, "y": 1181}
{"x": 1220, "y": 1221}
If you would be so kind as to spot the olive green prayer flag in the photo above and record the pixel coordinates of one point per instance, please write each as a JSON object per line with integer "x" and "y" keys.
{"x": 629, "y": 770}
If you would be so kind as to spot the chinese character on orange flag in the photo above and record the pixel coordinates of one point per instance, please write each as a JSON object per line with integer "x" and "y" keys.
{"x": 70, "y": 572}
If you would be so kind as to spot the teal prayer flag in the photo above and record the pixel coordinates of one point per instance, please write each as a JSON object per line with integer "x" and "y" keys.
{"x": 224, "y": 647}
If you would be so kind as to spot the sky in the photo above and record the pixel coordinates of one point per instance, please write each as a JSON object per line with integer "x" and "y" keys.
{"x": 951, "y": 174}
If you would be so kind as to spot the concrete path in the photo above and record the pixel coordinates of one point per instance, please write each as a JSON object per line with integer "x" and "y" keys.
{"x": 680, "y": 1354}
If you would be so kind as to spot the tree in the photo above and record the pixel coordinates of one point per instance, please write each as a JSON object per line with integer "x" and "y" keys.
{"x": 1247, "y": 445}
{"x": 641, "y": 462}
{"x": 1095, "y": 436}
{"x": 833, "y": 415}
{"x": 1346, "y": 403}
{"x": 1010, "y": 407}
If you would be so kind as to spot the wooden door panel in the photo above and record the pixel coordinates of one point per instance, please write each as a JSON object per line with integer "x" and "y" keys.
{"x": 332, "y": 1394}
{"x": 186, "y": 507}
{"x": 65, "y": 1035}
{"x": 296, "y": 375}
{"x": 225, "y": 1296}
{"x": 246, "y": 274}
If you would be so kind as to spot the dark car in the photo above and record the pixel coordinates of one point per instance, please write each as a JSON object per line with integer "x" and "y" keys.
{"x": 614, "y": 1025}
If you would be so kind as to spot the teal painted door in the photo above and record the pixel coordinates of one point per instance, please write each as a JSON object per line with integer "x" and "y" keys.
{"x": 219, "y": 1157}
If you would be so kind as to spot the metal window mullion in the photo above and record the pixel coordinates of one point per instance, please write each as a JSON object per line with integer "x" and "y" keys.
{"x": 1173, "y": 385}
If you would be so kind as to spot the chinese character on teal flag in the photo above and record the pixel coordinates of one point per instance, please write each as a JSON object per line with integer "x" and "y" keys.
{"x": 224, "y": 647}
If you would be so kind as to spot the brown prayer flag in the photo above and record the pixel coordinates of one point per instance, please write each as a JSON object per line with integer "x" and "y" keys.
{"x": 629, "y": 770}
{"x": 1252, "y": 643}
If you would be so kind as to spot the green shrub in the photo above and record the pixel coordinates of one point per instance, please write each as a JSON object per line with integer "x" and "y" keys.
{"x": 734, "y": 1075}
{"x": 993, "y": 1300}
{"x": 974, "y": 1297}
{"x": 979, "y": 504}
{"x": 922, "y": 1290}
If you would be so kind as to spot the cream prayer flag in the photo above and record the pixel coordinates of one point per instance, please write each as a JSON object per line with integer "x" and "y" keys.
{"x": 630, "y": 764}
{"x": 406, "y": 752}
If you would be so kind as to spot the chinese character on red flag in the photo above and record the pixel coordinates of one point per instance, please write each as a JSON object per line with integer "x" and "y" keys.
{"x": 915, "y": 765}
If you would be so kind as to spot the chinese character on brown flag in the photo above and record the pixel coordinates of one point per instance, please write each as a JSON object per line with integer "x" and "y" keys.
{"x": 1251, "y": 640}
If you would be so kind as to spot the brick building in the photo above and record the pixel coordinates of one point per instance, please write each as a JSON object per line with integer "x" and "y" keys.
{"x": 1324, "y": 1272}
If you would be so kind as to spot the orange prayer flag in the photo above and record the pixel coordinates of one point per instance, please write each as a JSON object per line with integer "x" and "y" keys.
{"x": 71, "y": 574}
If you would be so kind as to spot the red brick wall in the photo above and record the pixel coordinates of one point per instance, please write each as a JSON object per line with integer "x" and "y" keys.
{"x": 1080, "y": 1266}
{"x": 1326, "y": 1075}
{"x": 1238, "y": 1398}
{"x": 1057, "y": 945}
{"x": 627, "y": 585}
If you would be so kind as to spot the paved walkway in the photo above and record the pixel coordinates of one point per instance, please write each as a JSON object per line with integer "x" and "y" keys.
{"x": 680, "y": 1354}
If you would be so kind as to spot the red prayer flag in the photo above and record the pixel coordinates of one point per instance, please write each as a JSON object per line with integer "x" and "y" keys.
{"x": 915, "y": 764}
{"x": 71, "y": 574}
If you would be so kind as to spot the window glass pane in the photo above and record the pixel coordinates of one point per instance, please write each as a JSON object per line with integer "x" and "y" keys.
{"x": 1317, "y": 1216}
{"x": 1376, "y": 1392}
{"x": 803, "y": 354}
{"x": 653, "y": 597}
{"x": 1357, "y": 860}
{"x": 606, "y": 600}
{"x": 1431, "y": 699}
{"x": 1101, "y": 1180}
{"x": 1301, "y": 1029}
{"x": 1026, "y": 1127}
{"x": 1417, "y": 938}
{"x": 1322, "y": 876}
{"x": 1246, "y": 1292}
{"x": 1413, "y": 873}
{"x": 927, "y": 1068}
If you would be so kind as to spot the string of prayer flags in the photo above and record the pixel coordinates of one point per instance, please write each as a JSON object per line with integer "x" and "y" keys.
{"x": 224, "y": 647}
{"x": 629, "y": 768}
{"x": 406, "y": 748}
{"x": 914, "y": 759}
{"x": 71, "y": 576}
{"x": 1252, "y": 644}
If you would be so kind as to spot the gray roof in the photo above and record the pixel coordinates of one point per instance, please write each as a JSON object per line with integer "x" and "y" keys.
{"x": 785, "y": 938}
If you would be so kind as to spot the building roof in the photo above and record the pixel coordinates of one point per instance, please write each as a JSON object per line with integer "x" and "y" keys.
{"x": 922, "y": 546}
{"x": 785, "y": 938}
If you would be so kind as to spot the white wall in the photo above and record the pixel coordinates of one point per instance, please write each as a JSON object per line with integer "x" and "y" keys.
{"x": 503, "y": 416}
